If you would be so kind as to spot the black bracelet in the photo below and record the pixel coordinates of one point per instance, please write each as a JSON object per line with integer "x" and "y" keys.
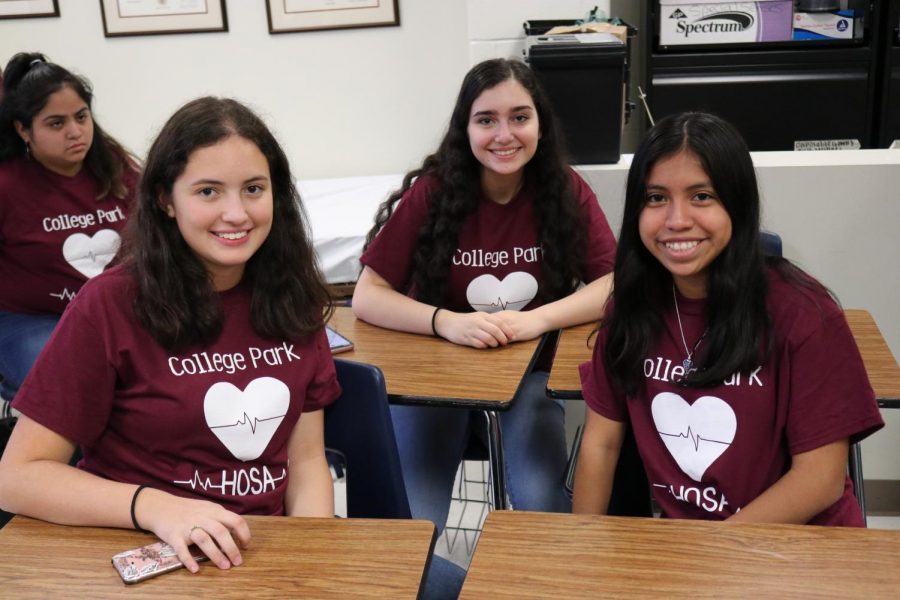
{"x": 433, "y": 317}
{"x": 134, "y": 522}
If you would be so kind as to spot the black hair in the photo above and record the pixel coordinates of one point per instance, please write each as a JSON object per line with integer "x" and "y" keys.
{"x": 458, "y": 192}
{"x": 175, "y": 297}
{"x": 738, "y": 337}
{"x": 28, "y": 82}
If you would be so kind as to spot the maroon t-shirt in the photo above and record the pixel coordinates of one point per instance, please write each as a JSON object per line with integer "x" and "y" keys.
{"x": 54, "y": 234}
{"x": 497, "y": 262}
{"x": 710, "y": 451}
{"x": 209, "y": 422}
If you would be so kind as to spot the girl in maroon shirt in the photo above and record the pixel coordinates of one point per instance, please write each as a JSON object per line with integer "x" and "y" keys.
{"x": 66, "y": 188}
{"x": 486, "y": 244}
{"x": 737, "y": 371}
{"x": 184, "y": 370}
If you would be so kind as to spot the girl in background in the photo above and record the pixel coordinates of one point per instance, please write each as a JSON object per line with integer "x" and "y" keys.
{"x": 192, "y": 374}
{"x": 484, "y": 245}
{"x": 737, "y": 372}
{"x": 66, "y": 188}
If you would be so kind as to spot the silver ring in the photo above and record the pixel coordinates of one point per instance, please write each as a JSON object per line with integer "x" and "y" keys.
{"x": 191, "y": 531}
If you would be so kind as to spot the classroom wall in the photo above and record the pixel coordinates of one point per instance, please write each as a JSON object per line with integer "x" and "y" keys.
{"x": 343, "y": 102}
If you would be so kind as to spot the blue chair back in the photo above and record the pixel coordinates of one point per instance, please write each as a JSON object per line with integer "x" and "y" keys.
{"x": 771, "y": 243}
{"x": 359, "y": 426}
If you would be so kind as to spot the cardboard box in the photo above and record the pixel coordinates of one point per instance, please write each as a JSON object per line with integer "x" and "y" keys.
{"x": 698, "y": 22}
{"x": 620, "y": 31}
{"x": 837, "y": 25}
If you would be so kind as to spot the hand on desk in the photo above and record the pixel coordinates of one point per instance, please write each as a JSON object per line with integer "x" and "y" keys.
{"x": 476, "y": 329}
{"x": 489, "y": 330}
{"x": 525, "y": 325}
{"x": 218, "y": 532}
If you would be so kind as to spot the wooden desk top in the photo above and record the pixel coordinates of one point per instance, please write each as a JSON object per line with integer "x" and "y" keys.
{"x": 421, "y": 369}
{"x": 287, "y": 558}
{"x": 881, "y": 366}
{"x": 575, "y": 346}
{"x": 538, "y": 555}
{"x": 884, "y": 374}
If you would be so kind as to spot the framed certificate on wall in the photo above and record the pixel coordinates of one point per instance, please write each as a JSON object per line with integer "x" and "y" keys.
{"x": 311, "y": 15}
{"x": 152, "y": 17}
{"x": 23, "y": 9}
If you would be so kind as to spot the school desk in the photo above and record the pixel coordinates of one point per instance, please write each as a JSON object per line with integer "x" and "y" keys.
{"x": 287, "y": 558}
{"x": 422, "y": 369}
{"x": 525, "y": 555}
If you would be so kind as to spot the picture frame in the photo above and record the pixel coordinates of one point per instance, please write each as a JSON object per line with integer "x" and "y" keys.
{"x": 290, "y": 16}
{"x": 27, "y": 9}
{"x": 158, "y": 17}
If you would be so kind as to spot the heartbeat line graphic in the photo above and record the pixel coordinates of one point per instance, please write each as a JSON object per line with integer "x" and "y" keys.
{"x": 196, "y": 481}
{"x": 64, "y": 295}
{"x": 206, "y": 483}
{"x": 246, "y": 419}
{"x": 501, "y": 303}
{"x": 694, "y": 438}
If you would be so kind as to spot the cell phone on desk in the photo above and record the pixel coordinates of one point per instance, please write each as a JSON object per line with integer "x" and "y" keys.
{"x": 149, "y": 561}
{"x": 337, "y": 342}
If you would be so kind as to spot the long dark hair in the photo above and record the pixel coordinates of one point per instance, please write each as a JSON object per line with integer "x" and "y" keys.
{"x": 175, "y": 298}
{"x": 458, "y": 192}
{"x": 28, "y": 81}
{"x": 736, "y": 295}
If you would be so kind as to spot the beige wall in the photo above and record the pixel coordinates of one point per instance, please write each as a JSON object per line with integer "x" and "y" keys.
{"x": 343, "y": 102}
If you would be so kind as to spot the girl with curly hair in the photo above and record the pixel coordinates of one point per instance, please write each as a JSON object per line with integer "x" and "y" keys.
{"x": 486, "y": 244}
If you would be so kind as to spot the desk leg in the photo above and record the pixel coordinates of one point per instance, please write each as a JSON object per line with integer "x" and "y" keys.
{"x": 498, "y": 470}
{"x": 856, "y": 475}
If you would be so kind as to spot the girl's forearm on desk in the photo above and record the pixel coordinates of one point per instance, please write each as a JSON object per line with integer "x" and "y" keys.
{"x": 584, "y": 305}
{"x": 376, "y": 302}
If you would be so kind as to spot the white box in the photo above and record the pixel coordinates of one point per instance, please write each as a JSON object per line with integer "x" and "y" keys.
{"x": 694, "y": 22}
{"x": 836, "y": 25}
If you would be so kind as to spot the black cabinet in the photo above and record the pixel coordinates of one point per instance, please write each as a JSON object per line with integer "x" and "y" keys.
{"x": 777, "y": 93}
{"x": 888, "y": 125}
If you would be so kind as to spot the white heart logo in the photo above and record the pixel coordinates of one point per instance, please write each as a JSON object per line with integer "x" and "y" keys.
{"x": 695, "y": 434}
{"x": 489, "y": 294}
{"x": 89, "y": 255}
{"x": 246, "y": 421}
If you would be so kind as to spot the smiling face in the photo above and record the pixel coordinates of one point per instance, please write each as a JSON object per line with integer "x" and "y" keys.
{"x": 683, "y": 223}
{"x": 61, "y": 133}
{"x": 503, "y": 131}
{"x": 223, "y": 205}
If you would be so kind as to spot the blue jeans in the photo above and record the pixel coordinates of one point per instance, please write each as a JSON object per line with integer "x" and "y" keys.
{"x": 22, "y": 337}
{"x": 444, "y": 580}
{"x": 431, "y": 441}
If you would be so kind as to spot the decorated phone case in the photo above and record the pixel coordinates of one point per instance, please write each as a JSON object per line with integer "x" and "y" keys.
{"x": 149, "y": 561}
{"x": 337, "y": 342}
